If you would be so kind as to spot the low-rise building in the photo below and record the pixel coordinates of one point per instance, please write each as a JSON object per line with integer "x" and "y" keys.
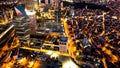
{"x": 61, "y": 46}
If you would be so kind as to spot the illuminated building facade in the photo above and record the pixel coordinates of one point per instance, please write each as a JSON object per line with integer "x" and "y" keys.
{"x": 6, "y": 27}
{"x": 7, "y": 31}
{"x": 22, "y": 29}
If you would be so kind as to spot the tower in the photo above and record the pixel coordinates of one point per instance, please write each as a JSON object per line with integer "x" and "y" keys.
{"x": 22, "y": 29}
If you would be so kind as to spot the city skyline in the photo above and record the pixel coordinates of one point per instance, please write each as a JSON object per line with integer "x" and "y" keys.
{"x": 59, "y": 34}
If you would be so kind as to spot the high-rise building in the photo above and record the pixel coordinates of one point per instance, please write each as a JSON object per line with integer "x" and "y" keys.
{"x": 29, "y": 4}
{"x": 7, "y": 31}
{"x": 22, "y": 29}
{"x": 6, "y": 27}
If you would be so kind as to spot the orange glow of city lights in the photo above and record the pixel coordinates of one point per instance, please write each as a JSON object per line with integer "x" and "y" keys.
{"x": 113, "y": 58}
{"x": 36, "y": 64}
{"x": 5, "y": 48}
{"x": 104, "y": 62}
{"x": 23, "y": 61}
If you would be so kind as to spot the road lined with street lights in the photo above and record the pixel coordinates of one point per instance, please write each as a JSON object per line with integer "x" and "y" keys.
{"x": 46, "y": 51}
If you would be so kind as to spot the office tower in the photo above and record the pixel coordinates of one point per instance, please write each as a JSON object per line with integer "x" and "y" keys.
{"x": 22, "y": 29}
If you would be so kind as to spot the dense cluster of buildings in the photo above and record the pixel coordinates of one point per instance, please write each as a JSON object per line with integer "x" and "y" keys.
{"x": 86, "y": 30}
{"x": 95, "y": 32}
{"x": 7, "y": 31}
